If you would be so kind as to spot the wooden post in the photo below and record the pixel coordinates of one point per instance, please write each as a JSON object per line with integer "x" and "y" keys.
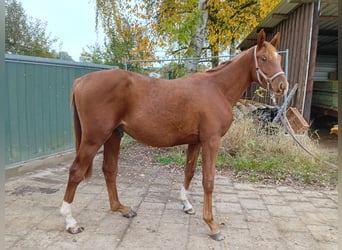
{"x": 312, "y": 62}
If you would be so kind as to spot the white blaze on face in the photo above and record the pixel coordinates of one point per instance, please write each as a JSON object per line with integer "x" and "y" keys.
{"x": 276, "y": 54}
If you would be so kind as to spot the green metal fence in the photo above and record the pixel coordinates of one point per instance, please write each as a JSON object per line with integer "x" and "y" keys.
{"x": 38, "y": 121}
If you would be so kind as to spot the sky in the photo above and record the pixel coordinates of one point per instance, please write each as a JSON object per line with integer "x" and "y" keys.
{"x": 71, "y": 21}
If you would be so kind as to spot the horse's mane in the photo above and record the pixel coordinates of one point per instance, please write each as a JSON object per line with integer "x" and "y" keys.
{"x": 222, "y": 65}
{"x": 225, "y": 63}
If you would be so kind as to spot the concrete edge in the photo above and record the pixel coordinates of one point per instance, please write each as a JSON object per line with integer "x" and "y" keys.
{"x": 40, "y": 163}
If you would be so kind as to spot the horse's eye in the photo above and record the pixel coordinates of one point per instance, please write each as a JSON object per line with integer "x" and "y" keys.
{"x": 263, "y": 58}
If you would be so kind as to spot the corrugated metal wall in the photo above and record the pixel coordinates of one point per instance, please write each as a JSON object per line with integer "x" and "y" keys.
{"x": 324, "y": 65}
{"x": 38, "y": 118}
{"x": 296, "y": 36}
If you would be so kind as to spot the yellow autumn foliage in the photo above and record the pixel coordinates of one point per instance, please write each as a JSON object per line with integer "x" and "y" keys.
{"x": 153, "y": 23}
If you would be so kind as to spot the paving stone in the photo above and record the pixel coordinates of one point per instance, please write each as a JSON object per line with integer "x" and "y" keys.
{"x": 295, "y": 197}
{"x": 313, "y": 194}
{"x": 151, "y": 208}
{"x": 318, "y": 218}
{"x": 281, "y": 211}
{"x": 274, "y": 200}
{"x": 302, "y": 206}
{"x": 228, "y": 207}
{"x": 243, "y": 186}
{"x": 231, "y": 197}
{"x": 268, "y": 191}
{"x": 239, "y": 237}
{"x": 248, "y": 194}
{"x": 252, "y": 204}
{"x": 299, "y": 240}
{"x": 323, "y": 202}
{"x": 175, "y": 217}
{"x": 328, "y": 246}
{"x": 286, "y": 224}
{"x": 250, "y": 216}
{"x": 269, "y": 245}
{"x": 257, "y": 215}
{"x": 223, "y": 180}
{"x": 231, "y": 220}
{"x": 323, "y": 232}
{"x": 263, "y": 231}
{"x": 286, "y": 189}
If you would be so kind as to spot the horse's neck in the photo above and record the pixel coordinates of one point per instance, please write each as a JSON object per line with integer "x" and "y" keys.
{"x": 235, "y": 78}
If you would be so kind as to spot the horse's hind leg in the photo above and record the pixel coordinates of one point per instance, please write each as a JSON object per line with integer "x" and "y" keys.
{"x": 77, "y": 173}
{"x": 190, "y": 167}
{"x": 110, "y": 170}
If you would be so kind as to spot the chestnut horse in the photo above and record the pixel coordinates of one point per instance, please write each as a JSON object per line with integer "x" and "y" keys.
{"x": 194, "y": 110}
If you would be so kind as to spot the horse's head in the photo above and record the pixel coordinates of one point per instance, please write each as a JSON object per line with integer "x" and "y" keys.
{"x": 268, "y": 71}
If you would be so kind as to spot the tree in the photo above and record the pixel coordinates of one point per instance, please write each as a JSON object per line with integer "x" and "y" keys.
{"x": 64, "y": 56}
{"x": 190, "y": 27}
{"x": 212, "y": 25}
{"x": 25, "y": 35}
{"x": 126, "y": 36}
{"x": 94, "y": 54}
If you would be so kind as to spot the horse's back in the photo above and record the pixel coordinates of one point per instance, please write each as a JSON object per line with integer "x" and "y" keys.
{"x": 154, "y": 111}
{"x": 103, "y": 77}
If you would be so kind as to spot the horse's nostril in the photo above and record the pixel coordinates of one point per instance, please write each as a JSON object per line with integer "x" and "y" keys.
{"x": 282, "y": 86}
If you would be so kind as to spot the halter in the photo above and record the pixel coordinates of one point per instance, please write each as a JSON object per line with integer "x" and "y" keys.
{"x": 260, "y": 73}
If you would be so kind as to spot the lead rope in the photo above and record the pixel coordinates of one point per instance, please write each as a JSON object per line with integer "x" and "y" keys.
{"x": 289, "y": 130}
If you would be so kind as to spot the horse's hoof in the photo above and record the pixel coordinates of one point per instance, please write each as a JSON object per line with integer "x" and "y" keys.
{"x": 130, "y": 214}
{"x": 218, "y": 236}
{"x": 75, "y": 230}
{"x": 190, "y": 211}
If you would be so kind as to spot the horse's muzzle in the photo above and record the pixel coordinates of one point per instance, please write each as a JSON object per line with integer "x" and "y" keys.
{"x": 282, "y": 88}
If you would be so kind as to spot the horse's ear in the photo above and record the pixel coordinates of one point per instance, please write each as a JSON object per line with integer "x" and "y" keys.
{"x": 261, "y": 38}
{"x": 275, "y": 40}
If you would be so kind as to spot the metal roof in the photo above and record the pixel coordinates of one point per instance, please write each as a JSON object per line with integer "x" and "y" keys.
{"x": 328, "y": 26}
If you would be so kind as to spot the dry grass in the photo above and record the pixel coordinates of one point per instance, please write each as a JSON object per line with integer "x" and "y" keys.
{"x": 256, "y": 152}
{"x": 249, "y": 137}
{"x": 261, "y": 152}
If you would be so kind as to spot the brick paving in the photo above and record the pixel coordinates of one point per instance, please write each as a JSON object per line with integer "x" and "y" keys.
{"x": 251, "y": 216}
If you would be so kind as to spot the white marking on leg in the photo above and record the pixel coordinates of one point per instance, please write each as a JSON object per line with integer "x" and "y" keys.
{"x": 186, "y": 204}
{"x": 66, "y": 212}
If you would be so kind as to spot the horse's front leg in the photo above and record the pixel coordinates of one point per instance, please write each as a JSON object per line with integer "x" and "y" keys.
{"x": 190, "y": 168}
{"x": 110, "y": 171}
{"x": 209, "y": 156}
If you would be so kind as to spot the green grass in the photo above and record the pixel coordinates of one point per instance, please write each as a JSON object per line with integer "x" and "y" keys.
{"x": 126, "y": 141}
{"x": 280, "y": 169}
{"x": 173, "y": 156}
{"x": 255, "y": 155}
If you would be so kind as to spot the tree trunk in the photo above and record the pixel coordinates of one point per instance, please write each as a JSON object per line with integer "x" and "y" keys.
{"x": 215, "y": 59}
{"x": 197, "y": 41}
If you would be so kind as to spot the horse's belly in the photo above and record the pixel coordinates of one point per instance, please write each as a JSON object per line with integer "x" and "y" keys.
{"x": 161, "y": 137}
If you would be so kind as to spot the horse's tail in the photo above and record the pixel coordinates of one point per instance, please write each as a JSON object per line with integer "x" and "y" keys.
{"x": 78, "y": 134}
{"x": 77, "y": 125}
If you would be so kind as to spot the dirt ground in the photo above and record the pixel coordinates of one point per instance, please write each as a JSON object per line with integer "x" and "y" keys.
{"x": 328, "y": 142}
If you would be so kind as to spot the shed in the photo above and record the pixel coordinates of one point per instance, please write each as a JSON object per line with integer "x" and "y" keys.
{"x": 309, "y": 32}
